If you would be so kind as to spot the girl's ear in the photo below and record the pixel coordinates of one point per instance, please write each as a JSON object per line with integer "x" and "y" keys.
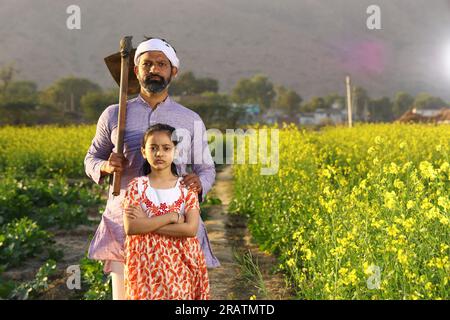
{"x": 143, "y": 152}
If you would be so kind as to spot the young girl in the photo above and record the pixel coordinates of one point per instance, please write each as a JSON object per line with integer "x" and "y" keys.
{"x": 163, "y": 257}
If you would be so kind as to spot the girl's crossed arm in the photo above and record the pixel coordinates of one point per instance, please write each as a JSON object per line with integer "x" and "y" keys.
{"x": 190, "y": 226}
{"x": 135, "y": 221}
{"x": 185, "y": 229}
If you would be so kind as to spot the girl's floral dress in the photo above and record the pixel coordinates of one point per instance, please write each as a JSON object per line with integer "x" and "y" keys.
{"x": 159, "y": 266}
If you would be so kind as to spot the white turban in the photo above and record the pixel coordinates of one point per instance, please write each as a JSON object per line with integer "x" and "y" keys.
{"x": 157, "y": 45}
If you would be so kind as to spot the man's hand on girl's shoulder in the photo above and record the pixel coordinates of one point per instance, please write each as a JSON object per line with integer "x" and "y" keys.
{"x": 192, "y": 181}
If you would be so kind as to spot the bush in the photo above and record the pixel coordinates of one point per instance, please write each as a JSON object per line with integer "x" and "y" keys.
{"x": 21, "y": 239}
{"x": 94, "y": 278}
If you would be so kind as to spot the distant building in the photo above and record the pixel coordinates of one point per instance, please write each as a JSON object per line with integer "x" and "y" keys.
{"x": 272, "y": 116}
{"x": 323, "y": 116}
{"x": 251, "y": 112}
{"x": 430, "y": 112}
{"x": 440, "y": 115}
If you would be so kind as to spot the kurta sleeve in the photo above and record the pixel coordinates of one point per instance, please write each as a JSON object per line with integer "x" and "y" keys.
{"x": 100, "y": 149}
{"x": 205, "y": 169}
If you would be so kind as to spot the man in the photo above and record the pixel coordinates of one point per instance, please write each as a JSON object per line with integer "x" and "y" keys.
{"x": 156, "y": 64}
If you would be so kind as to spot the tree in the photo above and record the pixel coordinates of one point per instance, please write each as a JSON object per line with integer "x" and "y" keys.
{"x": 334, "y": 99}
{"x": 7, "y": 74}
{"x": 380, "y": 110}
{"x": 215, "y": 109}
{"x": 18, "y": 102}
{"x": 187, "y": 84}
{"x": 207, "y": 85}
{"x": 288, "y": 100}
{"x": 361, "y": 102}
{"x": 257, "y": 89}
{"x": 16, "y": 112}
{"x": 426, "y": 101}
{"x": 93, "y": 103}
{"x": 66, "y": 93}
{"x": 402, "y": 103}
{"x": 314, "y": 104}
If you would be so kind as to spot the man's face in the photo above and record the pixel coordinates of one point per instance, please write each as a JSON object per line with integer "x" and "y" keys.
{"x": 154, "y": 71}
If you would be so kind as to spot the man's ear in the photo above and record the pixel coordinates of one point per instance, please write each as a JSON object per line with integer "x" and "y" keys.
{"x": 174, "y": 72}
{"x": 136, "y": 70}
{"x": 176, "y": 155}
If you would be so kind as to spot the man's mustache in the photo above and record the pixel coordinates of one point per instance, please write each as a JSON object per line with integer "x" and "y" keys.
{"x": 150, "y": 76}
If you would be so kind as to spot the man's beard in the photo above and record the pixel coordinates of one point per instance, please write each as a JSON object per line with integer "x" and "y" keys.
{"x": 155, "y": 85}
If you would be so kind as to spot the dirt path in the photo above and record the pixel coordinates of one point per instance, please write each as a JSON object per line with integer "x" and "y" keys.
{"x": 229, "y": 233}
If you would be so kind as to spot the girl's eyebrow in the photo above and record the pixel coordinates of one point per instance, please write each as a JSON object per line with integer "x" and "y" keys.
{"x": 164, "y": 145}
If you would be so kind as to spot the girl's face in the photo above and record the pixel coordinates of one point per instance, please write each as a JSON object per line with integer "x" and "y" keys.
{"x": 159, "y": 150}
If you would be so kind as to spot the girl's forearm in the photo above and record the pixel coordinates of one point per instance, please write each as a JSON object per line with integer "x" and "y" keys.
{"x": 178, "y": 230}
{"x": 146, "y": 225}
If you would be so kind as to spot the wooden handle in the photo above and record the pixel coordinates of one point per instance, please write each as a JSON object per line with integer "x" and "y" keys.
{"x": 125, "y": 49}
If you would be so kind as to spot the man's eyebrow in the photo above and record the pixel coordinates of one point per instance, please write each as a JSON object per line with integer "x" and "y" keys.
{"x": 157, "y": 60}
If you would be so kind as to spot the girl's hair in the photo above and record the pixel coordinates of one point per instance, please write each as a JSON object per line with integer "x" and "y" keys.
{"x": 159, "y": 127}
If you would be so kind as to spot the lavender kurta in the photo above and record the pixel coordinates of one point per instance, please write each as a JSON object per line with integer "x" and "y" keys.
{"x": 109, "y": 239}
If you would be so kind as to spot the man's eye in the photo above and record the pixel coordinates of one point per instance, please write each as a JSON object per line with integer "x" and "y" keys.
{"x": 162, "y": 64}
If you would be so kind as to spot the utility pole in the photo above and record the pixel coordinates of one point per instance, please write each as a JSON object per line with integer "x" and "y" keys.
{"x": 349, "y": 101}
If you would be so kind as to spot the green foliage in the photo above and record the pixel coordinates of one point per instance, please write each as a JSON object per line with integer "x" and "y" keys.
{"x": 334, "y": 98}
{"x": 402, "y": 103}
{"x": 32, "y": 289}
{"x": 45, "y": 151}
{"x": 344, "y": 200}
{"x": 212, "y": 201}
{"x": 187, "y": 84}
{"x": 314, "y": 104}
{"x": 94, "y": 103}
{"x": 93, "y": 277}
{"x": 54, "y": 203}
{"x": 380, "y": 110}
{"x": 426, "y": 101}
{"x": 250, "y": 271}
{"x": 214, "y": 109}
{"x": 205, "y": 206}
{"x": 360, "y": 100}
{"x": 6, "y": 286}
{"x": 21, "y": 239}
{"x": 288, "y": 100}
{"x": 66, "y": 93}
{"x": 257, "y": 89}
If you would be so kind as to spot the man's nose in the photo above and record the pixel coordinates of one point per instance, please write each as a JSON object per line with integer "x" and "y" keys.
{"x": 154, "y": 69}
